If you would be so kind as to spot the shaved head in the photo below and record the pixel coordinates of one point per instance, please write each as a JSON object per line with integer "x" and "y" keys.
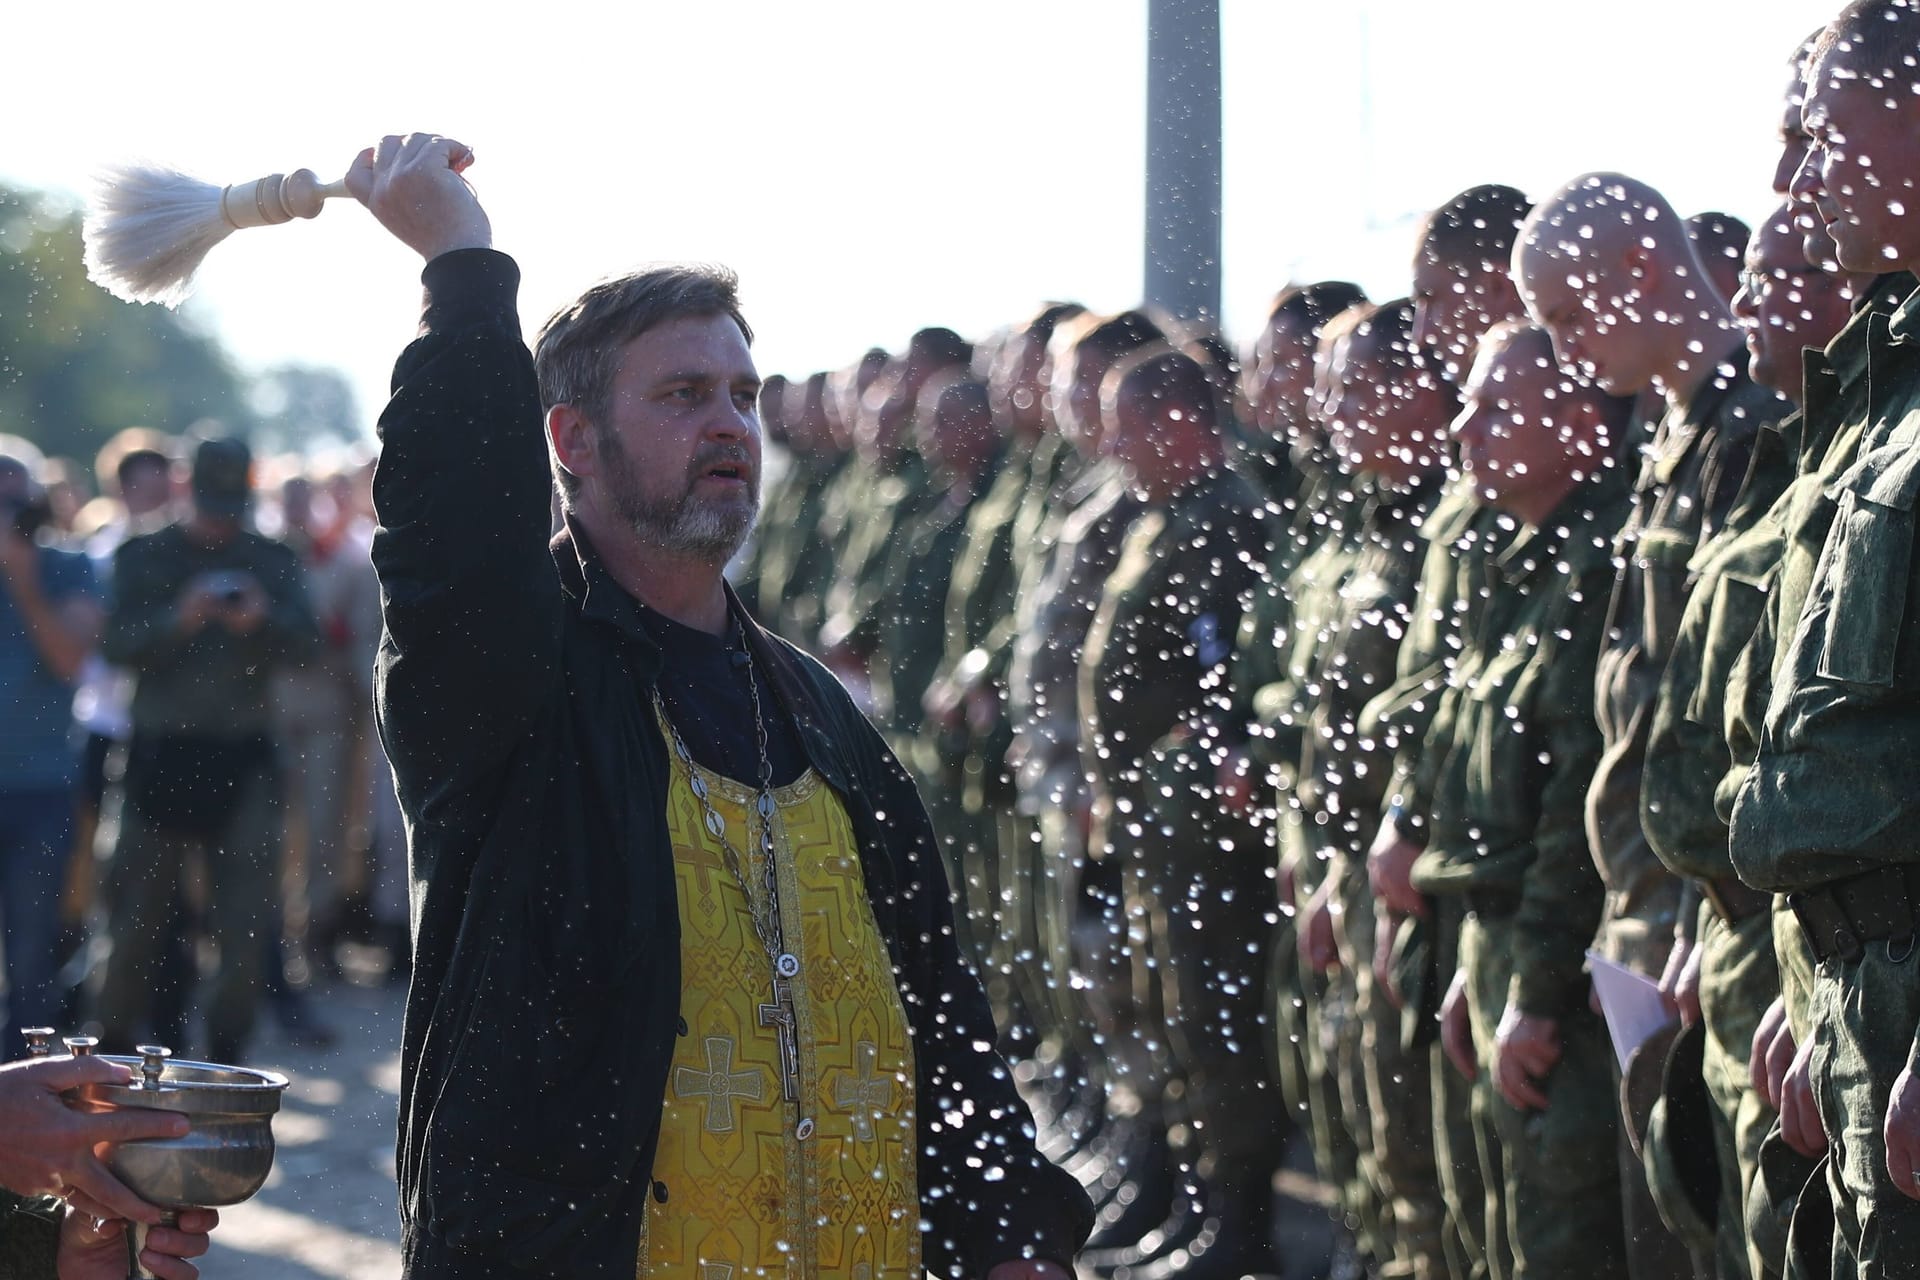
{"x": 1609, "y": 269}
{"x": 1595, "y": 216}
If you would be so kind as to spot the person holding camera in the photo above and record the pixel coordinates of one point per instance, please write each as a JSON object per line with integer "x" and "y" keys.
{"x": 201, "y": 612}
{"x": 49, "y": 623}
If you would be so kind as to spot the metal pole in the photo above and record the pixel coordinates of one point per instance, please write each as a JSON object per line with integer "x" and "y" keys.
{"x": 1183, "y": 158}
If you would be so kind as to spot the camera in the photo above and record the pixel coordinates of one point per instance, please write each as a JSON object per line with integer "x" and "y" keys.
{"x": 228, "y": 588}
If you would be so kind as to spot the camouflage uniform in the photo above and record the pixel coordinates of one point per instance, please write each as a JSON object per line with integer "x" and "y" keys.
{"x": 1257, "y": 660}
{"x": 1324, "y": 543}
{"x": 1505, "y": 834}
{"x": 1152, "y": 678}
{"x": 1058, "y": 594}
{"x": 873, "y": 499}
{"x": 792, "y": 565}
{"x": 1687, "y": 756}
{"x": 1345, "y": 768}
{"x": 1835, "y": 417}
{"x": 1691, "y": 473}
{"x": 1822, "y": 814}
{"x": 1003, "y": 887}
{"x": 1463, "y": 537}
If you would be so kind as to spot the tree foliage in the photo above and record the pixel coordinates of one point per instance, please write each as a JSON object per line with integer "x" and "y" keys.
{"x": 76, "y": 364}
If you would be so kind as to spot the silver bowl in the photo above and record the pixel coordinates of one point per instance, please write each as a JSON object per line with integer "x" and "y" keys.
{"x": 222, "y": 1159}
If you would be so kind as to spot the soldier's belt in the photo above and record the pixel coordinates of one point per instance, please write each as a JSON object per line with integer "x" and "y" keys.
{"x": 1841, "y": 918}
{"x": 1733, "y": 900}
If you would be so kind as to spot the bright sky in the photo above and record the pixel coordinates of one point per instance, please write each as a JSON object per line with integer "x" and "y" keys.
{"x": 871, "y": 166}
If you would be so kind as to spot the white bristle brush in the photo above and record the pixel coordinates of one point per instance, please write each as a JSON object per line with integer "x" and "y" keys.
{"x": 147, "y": 229}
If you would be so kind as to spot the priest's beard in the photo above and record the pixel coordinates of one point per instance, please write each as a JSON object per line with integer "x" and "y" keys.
{"x": 685, "y": 524}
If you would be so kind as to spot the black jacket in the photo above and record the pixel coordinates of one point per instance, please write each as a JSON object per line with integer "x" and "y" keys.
{"x": 513, "y": 700}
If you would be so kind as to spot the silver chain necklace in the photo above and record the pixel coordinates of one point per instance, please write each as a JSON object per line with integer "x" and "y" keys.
{"x": 767, "y": 924}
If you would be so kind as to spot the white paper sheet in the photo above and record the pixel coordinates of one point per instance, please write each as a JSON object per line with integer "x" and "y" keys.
{"x": 1631, "y": 1004}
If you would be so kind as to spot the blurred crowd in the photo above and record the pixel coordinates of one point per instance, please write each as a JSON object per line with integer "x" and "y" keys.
{"x": 190, "y": 785}
{"x": 1436, "y": 734}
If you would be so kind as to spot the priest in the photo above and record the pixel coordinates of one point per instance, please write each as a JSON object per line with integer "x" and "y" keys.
{"x": 686, "y": 998}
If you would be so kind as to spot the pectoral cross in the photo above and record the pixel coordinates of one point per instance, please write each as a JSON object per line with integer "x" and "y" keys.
{"x": 779, "y": 1015}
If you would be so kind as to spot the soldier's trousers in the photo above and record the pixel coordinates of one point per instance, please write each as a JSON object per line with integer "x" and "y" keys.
{"x": 1457, "y": 1142}
{"x": 1398, "y": 1105}
{"x": 1782, "y": 1173}
{"x": 1738, "y": 980}
{"x": 1864, "y": 1015}
{"x": 142, "y": 881}
{"x": 1325, "y": 1017}
{"x": 1638, "y": 932}
{"x": 1203, "y": 898}
{"x": 1560, "y": 1177}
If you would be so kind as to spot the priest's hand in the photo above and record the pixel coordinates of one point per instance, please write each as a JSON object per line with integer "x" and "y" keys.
{"x": 1029, "y": 1271}
{"x": 413, "y": 186}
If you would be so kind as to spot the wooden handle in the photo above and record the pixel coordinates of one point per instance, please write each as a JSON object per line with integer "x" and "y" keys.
{"x": 277, "y": 198}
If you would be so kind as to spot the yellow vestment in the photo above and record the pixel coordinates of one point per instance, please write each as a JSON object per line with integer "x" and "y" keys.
{"x": 736, "y": 1191}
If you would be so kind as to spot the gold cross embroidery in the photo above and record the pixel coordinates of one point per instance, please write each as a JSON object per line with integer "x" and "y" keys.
{"x": 862, "y": 1093}
{"x": 706, "y": 865}
{"x": 720, "y": 1085}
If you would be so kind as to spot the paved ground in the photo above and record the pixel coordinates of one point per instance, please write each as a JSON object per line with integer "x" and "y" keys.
{"x": 328, "y": 1210}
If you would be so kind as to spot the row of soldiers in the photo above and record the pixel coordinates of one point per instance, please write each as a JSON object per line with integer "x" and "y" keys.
{"x": 1312, "y": 734}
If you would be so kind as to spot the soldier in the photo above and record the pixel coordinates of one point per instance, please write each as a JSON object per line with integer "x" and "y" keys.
{"x": 1505, "y": 828}
{"x": 1059, "y": 590}
{"x": 1317, "y": 552}
{"x": 1463, "y": 285}
{"x": 885, "y": 489}
{"x": 954, "y": 431}
{"x": 967, "y": 732}
{"x": 1607, "y": 268}
{"x": 794, "y": 568}
{"x": 1250, "y": 776}
{"x": 1729, "y": 977}
{"x": 1824, "y": 812}
{"x": 1388, "y": 413}
{"x": 1720, "y": 241}
{"x": 860, "y": 478}
{"x": 1151, "y": 680}
{"x": 1276, "y": 377}
{"x": 1836, "y": 389}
